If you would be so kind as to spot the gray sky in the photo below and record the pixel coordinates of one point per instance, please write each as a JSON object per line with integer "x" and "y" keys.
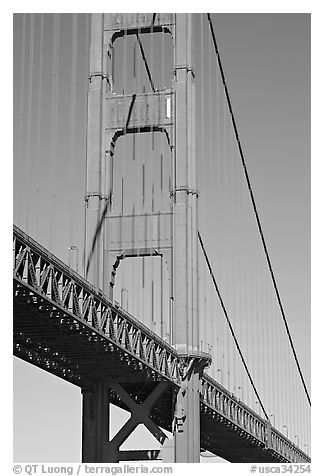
{"x": 266, "y": 58}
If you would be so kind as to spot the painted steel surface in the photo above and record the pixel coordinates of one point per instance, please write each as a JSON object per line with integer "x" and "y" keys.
{"x": 44, "y": 284}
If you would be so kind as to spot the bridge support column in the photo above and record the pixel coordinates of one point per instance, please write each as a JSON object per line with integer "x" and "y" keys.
{"x": 187, "y": 423}
{"x": 96, "y": 445}
{"x": 95, "y": 426}
{"x": 186, "y": 426}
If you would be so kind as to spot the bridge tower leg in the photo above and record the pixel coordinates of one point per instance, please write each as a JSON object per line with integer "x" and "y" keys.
{"x": 110, "y": 116}
{"x": 185, "y": 278}
{"x": 96, "y": 175}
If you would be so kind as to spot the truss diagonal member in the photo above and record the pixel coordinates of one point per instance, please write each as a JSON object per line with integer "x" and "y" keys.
{"x": 126, "y": 398}
{"x": 19, "y": 260}
{"x": 126, "y": 430}
{"x": 155, "y": 430}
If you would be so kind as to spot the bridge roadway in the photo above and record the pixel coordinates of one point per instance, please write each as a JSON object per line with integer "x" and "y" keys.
{"x": 67, "y": 327}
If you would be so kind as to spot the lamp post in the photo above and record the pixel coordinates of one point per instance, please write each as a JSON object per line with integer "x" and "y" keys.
{"x": 124, "y": 298}
{"x": 220, "y": 371}
{"x": 74, "y": 248}
{"x": 241, "y": 388}
{"x": 274, "y": 419}
{"x": 286, "y": 430}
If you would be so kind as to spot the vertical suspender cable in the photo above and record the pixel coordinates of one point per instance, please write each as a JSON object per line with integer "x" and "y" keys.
{"x": 123, "y": 144}
{"x": 257, "y": 320}
{"x": 207, "y": 105}
{"x": 150, "y": 165}
{"x": 248, "y": 308}
{"x": 264, "y": 334}
{"x": 298, "y": 410}
{"x": 252, "y": 342}
{"x": 134, "y": 86}
{"x": 157, "y": 190}
{"x": 265, "y": 345}
{"x": 165, "y": 308}
{"x": 278, "y": 382}
{"x": 232, "y": 256}
{"x": 137, "y": 154}
{"x": 73, "y": 89}
{"x": 239, "y": 271}
{"x": 292, "y": 405}
{"x": 29, "y": 120}
{"x": 39, "y": 119}
{"x": 270, "y": 345}
{"x": 134, "y": 163}
{"x": 219, "y": 183}
{"x": 226, "y": 224}
{"x": 21, "y": 115}
{"x": 53, "y": 133}
{"x": 202, "y": 146}
{"x": 152, "y": 72}
{"x": 272, "y": 357}
{"x": 86, "y": 77}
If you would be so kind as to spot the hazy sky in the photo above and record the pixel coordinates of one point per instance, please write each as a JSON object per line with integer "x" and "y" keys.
{"x": 266, "y": 58}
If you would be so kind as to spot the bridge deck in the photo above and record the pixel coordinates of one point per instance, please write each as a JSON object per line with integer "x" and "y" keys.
{"x": 67, "y": 327}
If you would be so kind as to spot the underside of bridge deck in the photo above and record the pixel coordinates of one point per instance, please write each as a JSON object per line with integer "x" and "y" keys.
{"x": 232, "y": 443}
{"x": 49, "y": 337}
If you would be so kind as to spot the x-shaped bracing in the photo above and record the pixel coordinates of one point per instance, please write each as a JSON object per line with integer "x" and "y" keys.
{"x": 140, "y": 414}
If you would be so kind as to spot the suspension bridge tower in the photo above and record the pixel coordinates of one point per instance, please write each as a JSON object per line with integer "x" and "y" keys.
{"x": 111, "y": 116}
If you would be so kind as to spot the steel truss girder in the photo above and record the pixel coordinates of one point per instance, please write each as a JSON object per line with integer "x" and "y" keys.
{"x": 68, "y": 291}
{"x": 233, "y": 413}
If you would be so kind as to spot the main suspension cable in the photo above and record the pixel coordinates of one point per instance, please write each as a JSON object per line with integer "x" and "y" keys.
{"x": 229, "y": 323}
{"x": 265, "y": 248}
